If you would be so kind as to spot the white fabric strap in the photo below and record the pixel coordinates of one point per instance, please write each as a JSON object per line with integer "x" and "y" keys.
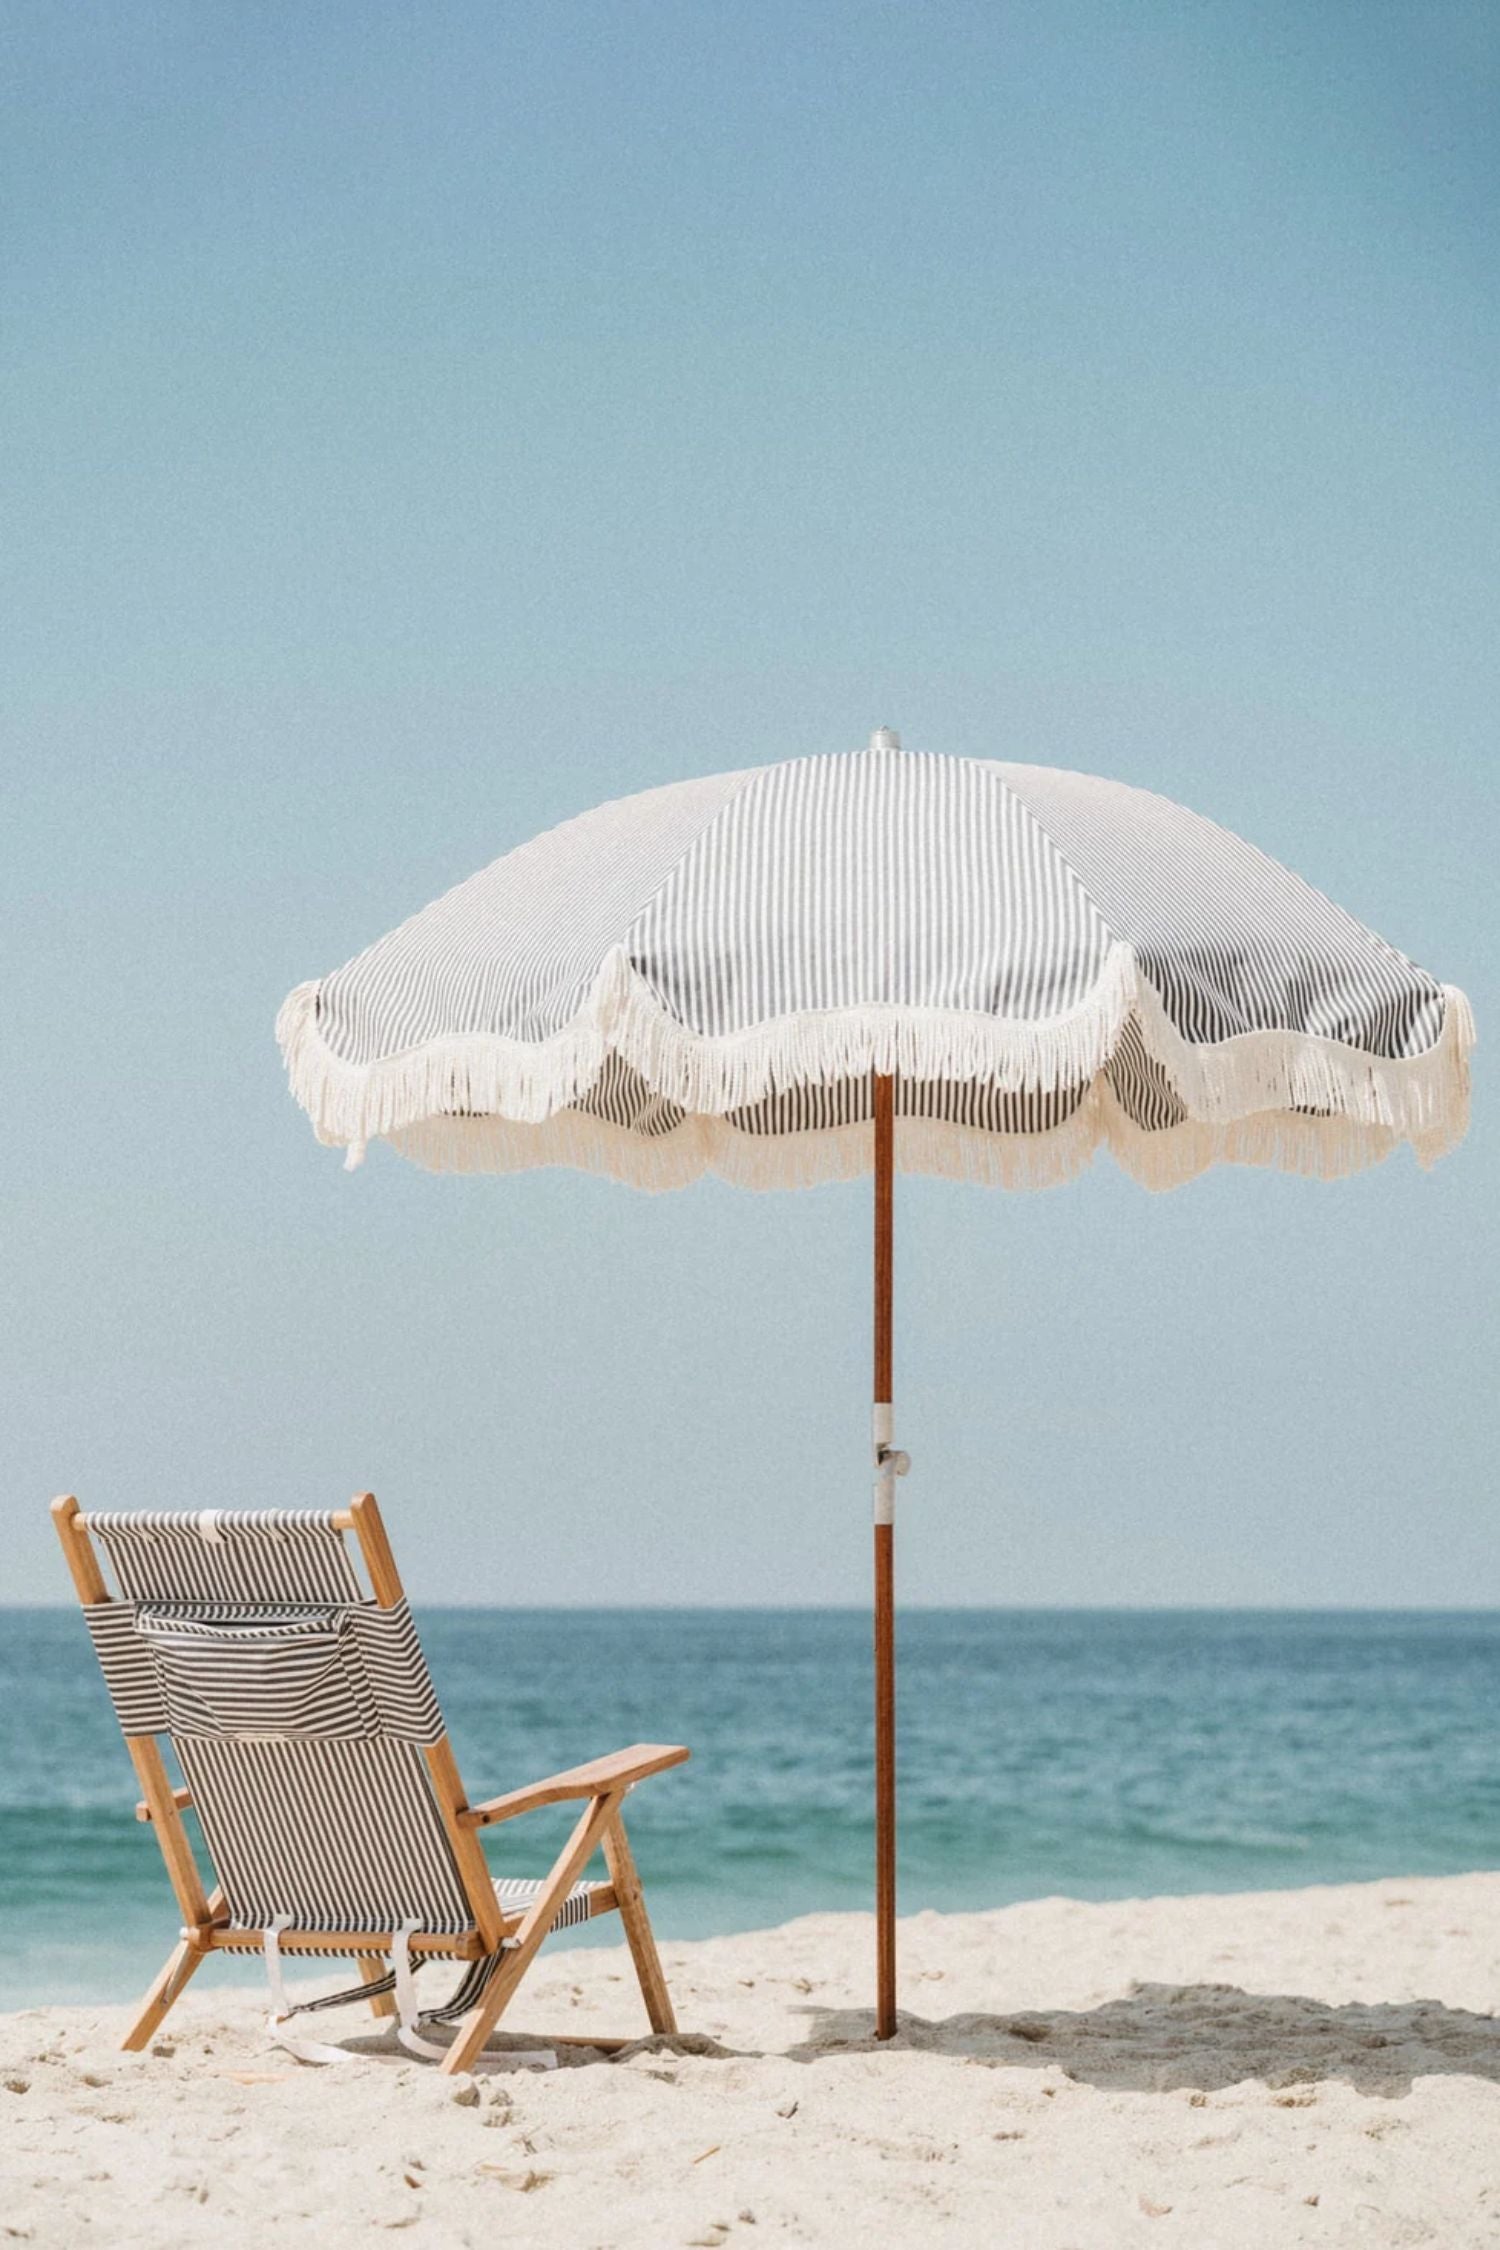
{"x": 406, "y": 1995}
{"x": 305, "y": 2050}
{"x": 539, "y": 2058}
{"x": 408, "y": 2012}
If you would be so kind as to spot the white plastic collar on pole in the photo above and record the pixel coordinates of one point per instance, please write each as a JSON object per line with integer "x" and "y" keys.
{"x": 889, "y": 1463}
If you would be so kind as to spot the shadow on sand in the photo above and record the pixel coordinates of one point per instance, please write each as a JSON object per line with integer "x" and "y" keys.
{"x": 1158, "y": 2038}
{"x": 1163, "y": 2038}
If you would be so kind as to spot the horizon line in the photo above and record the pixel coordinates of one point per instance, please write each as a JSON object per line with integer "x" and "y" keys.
{"x": 906, "y": 1609}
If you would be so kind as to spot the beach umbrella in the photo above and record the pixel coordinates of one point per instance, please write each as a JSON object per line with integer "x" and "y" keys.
{"x": 807, "y": 970}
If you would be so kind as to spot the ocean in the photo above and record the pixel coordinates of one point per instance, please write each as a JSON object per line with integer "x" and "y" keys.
{"x": 1098, "y": 1754}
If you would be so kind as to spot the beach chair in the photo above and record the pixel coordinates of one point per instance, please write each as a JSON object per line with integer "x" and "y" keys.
{"x": 316, "y": 1761}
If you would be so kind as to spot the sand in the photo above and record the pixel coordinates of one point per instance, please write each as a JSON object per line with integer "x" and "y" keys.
{"x": 1317, "y": 2066}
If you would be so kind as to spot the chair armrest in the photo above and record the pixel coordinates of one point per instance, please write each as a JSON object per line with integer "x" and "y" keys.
{"x": 620, "y": 1770}
{"x": 181, "y": 1798}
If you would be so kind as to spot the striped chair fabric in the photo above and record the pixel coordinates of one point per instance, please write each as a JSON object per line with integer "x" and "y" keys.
{"x": 298, "y": 1710}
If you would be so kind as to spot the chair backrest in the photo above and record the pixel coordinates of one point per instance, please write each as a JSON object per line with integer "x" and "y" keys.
{"x": 301, "y": 1713}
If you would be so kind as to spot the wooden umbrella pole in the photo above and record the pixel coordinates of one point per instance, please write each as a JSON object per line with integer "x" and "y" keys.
{"x": 888, "y": 1464}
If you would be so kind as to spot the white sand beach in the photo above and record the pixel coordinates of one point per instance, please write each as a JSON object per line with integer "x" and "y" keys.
{"x": 1317, "y": 2066}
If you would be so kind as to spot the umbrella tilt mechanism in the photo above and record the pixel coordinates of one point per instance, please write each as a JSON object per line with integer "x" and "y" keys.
{"x": 890, "y": 1461}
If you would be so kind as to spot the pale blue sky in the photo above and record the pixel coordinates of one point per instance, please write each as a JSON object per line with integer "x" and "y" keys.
{"x": 424, "y": 422}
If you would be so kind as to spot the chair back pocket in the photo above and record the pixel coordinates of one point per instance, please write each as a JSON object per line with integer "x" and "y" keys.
{"x": 274, "y": 1675}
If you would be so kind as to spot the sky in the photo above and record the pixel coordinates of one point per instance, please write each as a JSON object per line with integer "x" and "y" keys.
{"x": 422, "y": 423}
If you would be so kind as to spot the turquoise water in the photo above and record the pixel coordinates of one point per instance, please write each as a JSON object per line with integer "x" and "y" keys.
{"x": 1099, "y": 1754}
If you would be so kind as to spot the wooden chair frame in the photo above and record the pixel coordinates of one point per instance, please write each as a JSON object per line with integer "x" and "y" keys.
{"x": 602, "y": 1787}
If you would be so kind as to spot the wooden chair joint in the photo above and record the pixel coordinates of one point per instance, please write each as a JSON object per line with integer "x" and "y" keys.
{"x": 181, "y": 1798}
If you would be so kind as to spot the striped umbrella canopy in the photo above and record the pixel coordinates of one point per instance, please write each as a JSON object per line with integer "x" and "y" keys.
{"x": 802, "y": 971}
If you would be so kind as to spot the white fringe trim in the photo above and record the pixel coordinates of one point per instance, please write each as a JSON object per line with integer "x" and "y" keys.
{"x": 1415, "y": 1098}
{"x": 527, "y": 1081}
{"x": 1325, "y": 1148}
{"x": 711, "y": 1077}
{"x": 1246, "y": 1097}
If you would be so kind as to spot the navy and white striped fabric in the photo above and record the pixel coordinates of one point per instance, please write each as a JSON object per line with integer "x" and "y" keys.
{"x": 252, "y": 1555}
{"x": 185, "y": 1668}
{"x": 704, "y": 977}
{"x": 340, "y": 1833}
{"x": 298, "y": 1710}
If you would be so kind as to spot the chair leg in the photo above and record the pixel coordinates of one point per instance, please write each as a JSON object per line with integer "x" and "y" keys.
{"x": 180, "y": 1967}
{"x": 575, "y": 1855}
{"x": 372, "y": 1969}
{"x": 632, "y": 1903}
